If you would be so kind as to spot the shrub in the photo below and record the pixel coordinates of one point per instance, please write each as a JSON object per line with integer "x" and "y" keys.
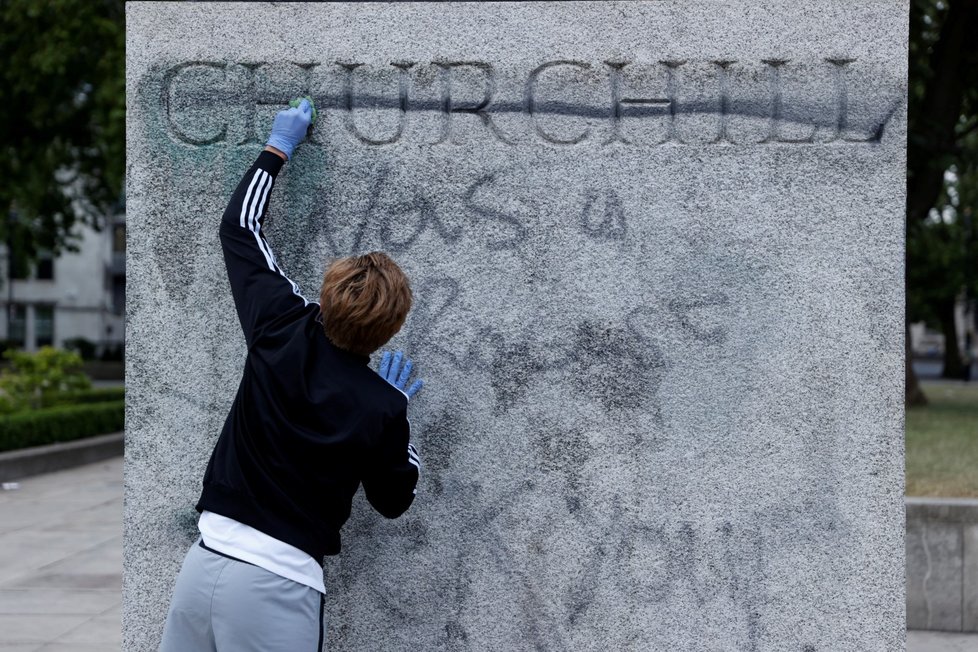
{"x": 33, "y": 380}
{"x": 113, "y": 353}
{"x": 63, "y": 423}
{"x": 83, "y": 347}
{"x": 94, "y": 395}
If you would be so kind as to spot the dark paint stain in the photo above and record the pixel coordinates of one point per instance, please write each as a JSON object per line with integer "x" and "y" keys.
{"x": 513, "y": 366}
{"x": 441, "y": 437}
{"x": 185, "y": 521}
{"x": 559, "y": 449}
{"x": 684, "y": 308}
{"x": 455, "y": 632}
{"x": 616, "y": 367}
{"x": 415, "y": 532}
{"x": 573, "y": 503}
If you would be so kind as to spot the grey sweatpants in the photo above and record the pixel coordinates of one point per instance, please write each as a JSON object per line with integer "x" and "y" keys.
{"x": 222, "y": 604}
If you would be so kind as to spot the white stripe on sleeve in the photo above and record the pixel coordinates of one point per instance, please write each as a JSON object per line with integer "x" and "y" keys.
{"x": 262, "y": 243}
{"x": 244, "y": 204}
{"x": 264, "y": 197}
{"x": 253, "y": 222}
{"x": 413, "y": 457}
{"x": 257, "y": 206}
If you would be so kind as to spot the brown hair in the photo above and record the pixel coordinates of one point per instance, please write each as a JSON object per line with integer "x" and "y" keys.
{"x": 364, "y": 301}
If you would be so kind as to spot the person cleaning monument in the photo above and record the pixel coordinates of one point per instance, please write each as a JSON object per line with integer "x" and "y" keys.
{"x": 310, "y": 423}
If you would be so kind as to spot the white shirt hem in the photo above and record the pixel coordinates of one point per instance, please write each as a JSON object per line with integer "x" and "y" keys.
{"x": 235, "y": 539}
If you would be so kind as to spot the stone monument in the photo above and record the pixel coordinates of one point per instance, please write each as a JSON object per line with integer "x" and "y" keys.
{"x": 657, "y": 256}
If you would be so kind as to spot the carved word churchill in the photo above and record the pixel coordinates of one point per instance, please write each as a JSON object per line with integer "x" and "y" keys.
{"x": 559, "y": 103}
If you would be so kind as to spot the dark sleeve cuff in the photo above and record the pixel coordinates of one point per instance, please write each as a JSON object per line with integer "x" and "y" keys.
{"x": 270, "y": 163}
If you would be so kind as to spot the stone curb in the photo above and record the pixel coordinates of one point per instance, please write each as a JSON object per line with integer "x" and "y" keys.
{"x": 63, "y": 455}
{"x": 942, "y": 564}
{"x": 948, "y": 510}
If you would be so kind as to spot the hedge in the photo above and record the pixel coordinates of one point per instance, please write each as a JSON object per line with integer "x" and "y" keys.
{"x": 62, "y": 423}
{"x": 97, "y": 395}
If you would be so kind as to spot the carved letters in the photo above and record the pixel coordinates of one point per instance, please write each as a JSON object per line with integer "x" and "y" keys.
{"x": 559, "y": 103}
{"x": 402, "y": 103}
{"x": 531, "y": 103}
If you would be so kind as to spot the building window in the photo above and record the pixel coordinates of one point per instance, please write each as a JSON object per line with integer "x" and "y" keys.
{"x": 119, "y": 238}
{"x": 44, "y": 325}
{"x": 17, "y": 267}
{"x": 45, "y": 266}
{"x": 119, "y": 295}
{"x": 16, "y": 325}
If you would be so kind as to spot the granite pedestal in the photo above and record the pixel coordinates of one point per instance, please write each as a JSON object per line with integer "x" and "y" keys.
{"x": 657, "y": 256}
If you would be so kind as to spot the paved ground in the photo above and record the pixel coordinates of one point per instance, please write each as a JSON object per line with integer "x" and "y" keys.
{"x": 61, "y": 561}
{"x": 937, "y": 642}
{"x": 61, "y": 566}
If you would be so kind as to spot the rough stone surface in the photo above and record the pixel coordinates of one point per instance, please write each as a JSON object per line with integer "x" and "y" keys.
{"x": 942, "y": 564}
{"x": 969, "y": 580}
{"x": 934, "y": 586}
{"x": 657, "y": 252}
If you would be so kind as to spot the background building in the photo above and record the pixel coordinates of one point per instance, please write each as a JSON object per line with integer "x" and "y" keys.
{"x": 927, "y": 345}
{"x": 76, "y": 299}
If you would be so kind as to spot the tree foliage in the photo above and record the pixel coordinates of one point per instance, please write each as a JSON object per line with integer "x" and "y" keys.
{"x": 62, "y": 118}
{"x": 942, "y": 150}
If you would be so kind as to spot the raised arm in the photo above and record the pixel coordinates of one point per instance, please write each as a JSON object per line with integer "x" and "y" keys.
{"x": 260, "y": 288}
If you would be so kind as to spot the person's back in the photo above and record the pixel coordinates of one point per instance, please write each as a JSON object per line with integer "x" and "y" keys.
{"x": 310, "y": 422}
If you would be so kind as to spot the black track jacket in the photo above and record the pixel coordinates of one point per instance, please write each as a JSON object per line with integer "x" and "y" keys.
{"x": 310, "y": 421}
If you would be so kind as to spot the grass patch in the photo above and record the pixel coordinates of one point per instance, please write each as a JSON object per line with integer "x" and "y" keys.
{"x": 942, "y": 442}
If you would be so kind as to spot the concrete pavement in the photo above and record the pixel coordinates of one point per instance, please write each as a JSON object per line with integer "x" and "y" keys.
{"x": 61, "y": 566}
{"x": 918, "y": 641}
{"x": 61, "y": 561}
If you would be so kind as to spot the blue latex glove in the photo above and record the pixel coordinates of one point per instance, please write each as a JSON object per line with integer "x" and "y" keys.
{"x": 390, "y": 370}
{"x": 290, "y": 127}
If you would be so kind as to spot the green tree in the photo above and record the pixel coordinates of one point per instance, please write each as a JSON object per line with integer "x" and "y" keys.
{"x": 943, "y": 120}
{"x": 941, "y": 252}
{"x": 62, "y": 119}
